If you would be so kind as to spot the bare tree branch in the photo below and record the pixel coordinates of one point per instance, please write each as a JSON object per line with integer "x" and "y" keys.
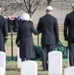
{"x": 26, "y": 5}
{"x": 30, "y": 5}
{"x": 37, "y": 3}
{"x": 32, "y": 2}
{"x": 5, "y": 7}
{"x": 48, "y": 2}
{"x": 20, "y": 5}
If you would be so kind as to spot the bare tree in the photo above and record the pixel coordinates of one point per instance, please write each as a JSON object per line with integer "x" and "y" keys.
{"x": 29, "y": 6}
{"x": 48, "y": 2}
{"x": 65, "y": 0}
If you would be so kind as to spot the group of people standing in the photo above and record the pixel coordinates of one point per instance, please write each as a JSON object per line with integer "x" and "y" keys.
{"x": 48, "y": 26}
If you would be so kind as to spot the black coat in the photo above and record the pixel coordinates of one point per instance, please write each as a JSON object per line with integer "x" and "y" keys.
{"x": 69, "y": 27}
{"x": 3, "y": 32}
{"x": 48, "y": 26}
{"x": 26, "y": 41}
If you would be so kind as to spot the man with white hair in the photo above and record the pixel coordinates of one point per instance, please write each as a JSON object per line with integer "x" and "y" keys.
{"x": 69, "y": 34}
{"x": 48, "y": 26}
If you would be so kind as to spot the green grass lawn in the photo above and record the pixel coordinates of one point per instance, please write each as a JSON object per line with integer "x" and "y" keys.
{"x": 11, "y": 68}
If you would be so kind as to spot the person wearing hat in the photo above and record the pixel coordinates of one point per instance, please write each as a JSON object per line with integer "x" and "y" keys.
{"x": 24, "y": 38}
{"x": 3, "y": 31}
{"x": 69, "y": 34}
{"x": 48, "y": 26}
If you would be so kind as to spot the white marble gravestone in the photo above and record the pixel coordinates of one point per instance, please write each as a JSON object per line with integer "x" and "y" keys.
{"x": 29, "y": 67}
{"x": 18, "y": 59}
{"x": 3, "y": 61}
{"x": 1, "y": 71}
{"x": 69, "y": 71}
{"x": 55, "y": 63}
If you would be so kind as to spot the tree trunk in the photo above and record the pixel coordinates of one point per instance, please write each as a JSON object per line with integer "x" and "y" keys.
{"x": 48, "y": 2}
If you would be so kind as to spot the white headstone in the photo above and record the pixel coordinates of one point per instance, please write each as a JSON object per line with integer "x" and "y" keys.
{"x": 69, "y": 71}
{"x": 55, "y": 63}
{"x": 29, "y": 67}
{"x": 18, "y": 59}
{"x": 3, "y": 61}
{"x": 1, "y": 71}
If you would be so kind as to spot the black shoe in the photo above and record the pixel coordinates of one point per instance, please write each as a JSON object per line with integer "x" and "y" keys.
{"x": 46, "y": 66}
{"x": 45, "y": 69}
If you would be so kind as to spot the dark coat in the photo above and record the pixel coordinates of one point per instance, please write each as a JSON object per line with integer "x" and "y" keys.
{"x": 49, "y": 28}
{"x": 3, "y": 32}
{"x": 9, "y": 24}
{"x": 26, "y": 41}
{"x": 69, "y": 35}
{"x": 69, "y": 27}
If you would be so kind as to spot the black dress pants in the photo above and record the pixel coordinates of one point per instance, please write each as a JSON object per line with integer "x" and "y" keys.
{"x": 71, "y": 53}
{"x": 44, "y": 55}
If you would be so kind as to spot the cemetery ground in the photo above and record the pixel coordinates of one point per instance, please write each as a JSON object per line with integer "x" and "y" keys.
{"x": 11, "y": 68}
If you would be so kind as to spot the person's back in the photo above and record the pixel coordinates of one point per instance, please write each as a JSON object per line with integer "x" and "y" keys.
{"x": 48, "y": 26}
{"x": 69, "y": 34}
{"x": 48, "y": 29}
{"x": 69, "y": 24}
{"x": 2, "y": 21}
{"x": 70, "y": 18}
{"x": 3, "y": 32}
{"x": 25, "y": 29}
{"x": 24, "y": 38}
{"x": 48, "y": 23}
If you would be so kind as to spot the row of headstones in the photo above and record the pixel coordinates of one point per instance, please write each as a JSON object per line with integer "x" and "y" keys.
{"x": 54, "y": 65}
{"x": 30, "y": 67}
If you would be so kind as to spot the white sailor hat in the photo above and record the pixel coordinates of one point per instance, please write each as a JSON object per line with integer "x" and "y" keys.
{"x": 49, "y": 8}
{"x": 25, "y": 16}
